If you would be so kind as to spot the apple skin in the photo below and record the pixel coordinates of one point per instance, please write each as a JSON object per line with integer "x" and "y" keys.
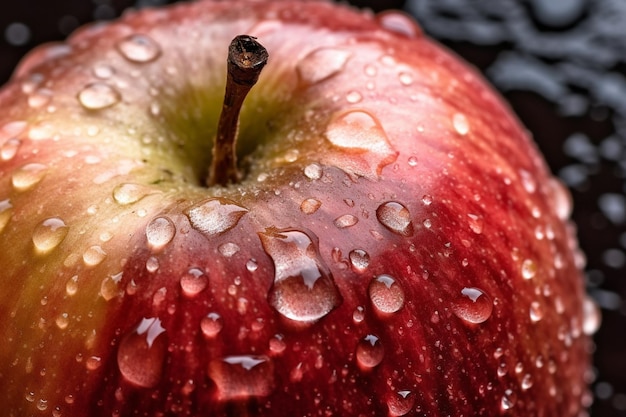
{"x": 397, "y": 245}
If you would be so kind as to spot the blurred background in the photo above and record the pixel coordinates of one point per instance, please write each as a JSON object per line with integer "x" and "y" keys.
{"x": 562, "y": 66}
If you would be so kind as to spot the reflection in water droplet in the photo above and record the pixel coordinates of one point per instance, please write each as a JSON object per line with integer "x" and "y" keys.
{"x": 303, "y": 288}
{"x": 9, "y": 149}
{"x": 321, "y": 64}
{"x": 529, "y": 269}
{"x": 386, "y": 294}
{"x": 476, "y": 223}
{"x": 460, "y": 124}
{"x": 369, "y": 352}
{"x": 94, "y": 255}
{"x": 211, "y": 325}
{"x": 159, "y": 232}
{"x": 130, "y": 193}
{"x": 360, "y": 134}
{"x": 395, "y": 217}
{"x": 139, "y": 48}
{"x": 242, "y": 377}
{"x": 215, "y": 216}
{"x": 49, "y": 234}
{"x": 28, "y": 176}
{"x": 592, "y": 317}
{"x": 96, "y": 96}
{"x": 6, "y": 212}
{"x": 141, "y": 353}
{"x": 473, "y": 305}
{"x": 193, "y": 282}
{"x": 401, "y": 403}
{"x": 347, "y": 220}
{"x": 310, "y": 205}
{"x": 359, "y": 260}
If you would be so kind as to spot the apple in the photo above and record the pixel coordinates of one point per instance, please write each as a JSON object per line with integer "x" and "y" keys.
{"x": 372, "y": 232}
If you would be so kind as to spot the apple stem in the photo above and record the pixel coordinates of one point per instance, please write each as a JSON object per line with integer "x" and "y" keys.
{"x": 246, "y": 59}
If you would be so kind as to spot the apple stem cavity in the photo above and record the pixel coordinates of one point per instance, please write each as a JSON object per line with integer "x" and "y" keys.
{"x": 246, "y": 59}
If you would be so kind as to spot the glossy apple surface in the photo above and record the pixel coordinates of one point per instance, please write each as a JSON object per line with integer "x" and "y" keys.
{"x": 396, "y": 246}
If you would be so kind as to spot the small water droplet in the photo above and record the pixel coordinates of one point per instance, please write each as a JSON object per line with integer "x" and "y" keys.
{"x": 28, "y": 176}
{"x": 360, "y": 134}
{"x": 359, "y": 260}
{"x": 460, "y": 124}
{"x": 242, "y": 377}
{"x": 152, "y": 264}
{"x": 141, "y": 353}
{"x": 592, "y": 317}
{"x": 321, "y": 64}
{"x": 369, "y": 352}
{"x": 277, "y": 344}
{"x": 347, "y": 220}
{"x": 303, "y": 288}
{"x": 561, "y": 199}
{"x": 473, "y": 305}
{"x": 527, "y": 382}
{"x": 6, "y": 213}
{"x": 508, "y": 400}
{"x": 103, "y": 71}
{"x": 252, "y": 265}
{"x": 211, "y": 325}
{"x": 358, "y": 315}
{"x": 399, "y": 23}
{"x": 9, "y": 149}
{"x": 529, "y": 269}
{"x": 406, "y": 78}
{"x": 395, "y": 217}
{"x": 94, "y": 255}
{"x": 536, "y": 311}
{"x": 310, "y": 205}
{"x": 49, "y": 234}
{"x": 62, "y": 321}
{"x": 42, "y": 405}
{"x": 386, "y": 294}
{"x": 71, "y": 286}
{"x": 215, "y": 216}
{"x": 401, "y": 403}
{"x": 39, "y": 98}
{"x": 528, "y": 181}
{"x": 313, "y": 171}
{"x": 129, "y": 193}
{"x": 109, "y": 288}
{"x": 354, "y": 97}
{"x": 97, "y": 96}
{"x": 476, "y": 223}
{"x": 139, "y": 48}
{"x": 159, "y": 232}
{"x": 413, "y": 161}
{"x": 93, "y": 362}
{"x": 427, "y": 223}
{"x": 228, "y": 249}
{"x": 193, "y": 282}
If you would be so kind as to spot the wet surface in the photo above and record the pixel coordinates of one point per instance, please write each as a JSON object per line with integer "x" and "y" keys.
{"x": 560, "y": 64}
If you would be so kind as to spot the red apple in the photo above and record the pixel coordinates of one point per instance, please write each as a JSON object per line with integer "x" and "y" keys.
{"x": 391, "y": 242}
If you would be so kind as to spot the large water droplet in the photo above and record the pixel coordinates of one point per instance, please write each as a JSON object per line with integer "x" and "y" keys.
{"x": 215, "y": 216}
{"x": 159, "y": 232}
{"x": 9, "y": 149}
{"x": 369, "y": 352}
{"x": 321, "y": 64}
{"x": 193, "y": 282}
{"x": 359, "y": 260}
{"x": 592, "y": 317}
{"x": 242, "y": 377}
{"x": 96, "y": 96}
{"x": 303, "y": 288}
{"x": 360, "y": 135}
{"x": 401, "y": 403}
{"x": 473, "y": 305}
{"x": 310, "y": 205}
{"x": 28, "y": 176}
{"x": 211, "y": 325}
{"x": 139, "y": 48}
{"x": 49, "y": 234}
{"x": 6, "y": 212}
{"x": 395, "y": 217}
{"x": 386, "y": 294}
{"x": 142, "y": 352}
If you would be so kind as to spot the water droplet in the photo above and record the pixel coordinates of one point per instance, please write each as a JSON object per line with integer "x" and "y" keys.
{"x": 252, "y": 265}
{"x": 399, "y": 23}
{"x": 406, "y": 78}
{"x": 303, "y": 288}
{"x": 476, "y": 223}
{"x": 130, "y": 193}
{"x": 508, "y": 400}
{"x": 141, "y": 353}
{"x": 109, "y": 288}
{"x": 42, "y": 405}
{"x": 242, "y": 377}
{"x": 527, "y": 382}
{"x": 413, "y": 161}
{"x": 313, "y": 171}
{"x": 358, "y": 315}
{"x": 529, "y": 269}
{"x": 473, "y": 305}
{"x": 310, "y": 205}
{"x": 211, "y": 325}
{"x": 561, "y": 199}
{"x": 94, "y": 255}
{"x": 369, "y": 352}
{"x": 528, "y": 181}
{"x": 62, "y": 321}
{"x": 354, "y": 97}
{"x": 96, "y": 96}
{"x": 347, "y": 220}
{"x": 228, "y": 249}
{"x": 71, "y": 286}
{"x": 139, "y": 48}
{"x": 360, "y": 134}
{"x": 193, "y": 282}
{"x": 536, "y": 311}
{"x": 152, "y": 264}
{"x": 39, "y": 98}
{"x": 386, "y": 294}
{"x": 460, "y": 124}
{"x": 359, "y": 260}
{"x": 215, "y": 216}
{"x": 6, "y": 212}
{"x": 103, "y": 71}
{"x": 159, "y": 232}
{"x": 49, "y": 234}
{"x": 28, "y": 176}
{"x": 395, "y": 217}
{"x": 9, "y": 149}
{"x": 321, "y": 64}
{"x": 592, "y": 317}
{"x": 401, "y": 403}
{"x": 277, "y": 344}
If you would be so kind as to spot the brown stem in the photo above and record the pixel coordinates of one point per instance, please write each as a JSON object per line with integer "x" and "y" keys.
{"x": 246, "y": 59}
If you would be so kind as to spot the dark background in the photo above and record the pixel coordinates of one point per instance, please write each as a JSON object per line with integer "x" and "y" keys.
{"x": 561, "y": 65}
